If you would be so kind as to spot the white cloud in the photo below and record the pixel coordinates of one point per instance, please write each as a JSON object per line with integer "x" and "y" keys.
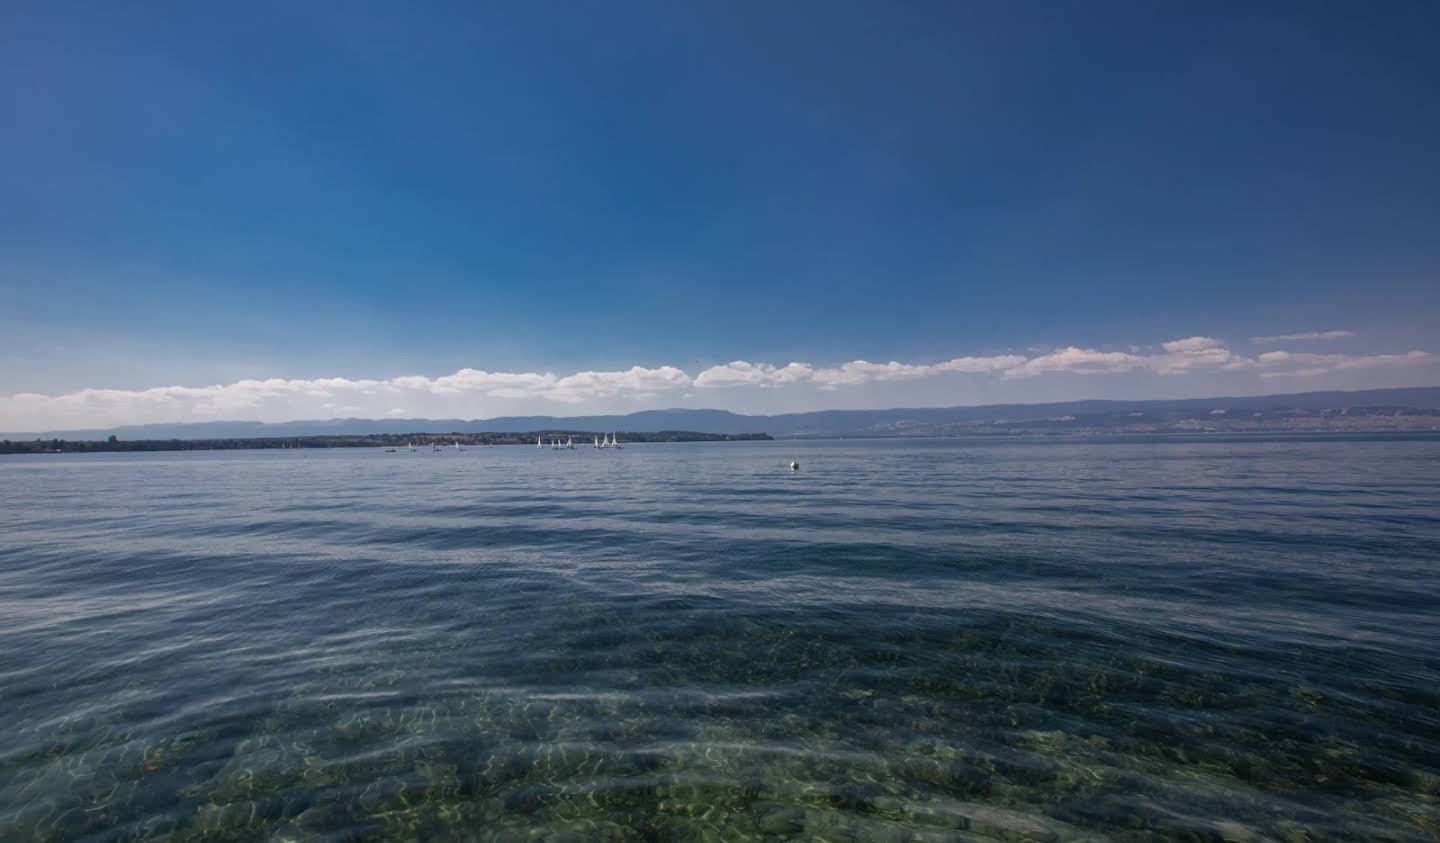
{"x": 1192, "y": 353}
{"x": 492, "y": 384}
{"x": 1001, "y": 363}
{"x": 1181, "y": 356}
{"x": 1297, "y": 373}
{"x": 1319, "y": 363}
{"x": 472, "y": 393}
{"x": 743, "y": 373}
{"x": 1371, "y": 361}
{"x": 862, "y": 371}
{"x": 466, "y": 392}
{"x": 1192, "y": 344}
{"x": 1082, "y": 361}
{"x": 1303, "y": 335}
{"x": 635, "y": 382}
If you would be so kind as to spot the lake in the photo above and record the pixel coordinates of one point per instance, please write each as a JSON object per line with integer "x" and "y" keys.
{"x": 1203, "y": 638}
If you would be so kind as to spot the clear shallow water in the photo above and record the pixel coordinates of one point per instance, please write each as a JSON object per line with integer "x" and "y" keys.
{"x": 1198, "y": 640}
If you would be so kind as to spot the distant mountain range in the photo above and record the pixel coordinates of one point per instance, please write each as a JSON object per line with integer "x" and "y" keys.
{"x": 1413, "y": 408}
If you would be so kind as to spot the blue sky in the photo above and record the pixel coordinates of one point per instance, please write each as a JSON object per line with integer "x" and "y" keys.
{"x": 201, "y": 195}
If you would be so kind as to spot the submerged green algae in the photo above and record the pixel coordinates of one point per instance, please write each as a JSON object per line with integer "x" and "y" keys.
{"x": 750, "y": 731}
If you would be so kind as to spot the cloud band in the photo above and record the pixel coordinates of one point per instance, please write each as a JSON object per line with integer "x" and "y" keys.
{"x": 472, "y": 391}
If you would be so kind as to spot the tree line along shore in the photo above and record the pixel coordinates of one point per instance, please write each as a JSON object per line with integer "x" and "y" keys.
{"x": 375, "y": 440}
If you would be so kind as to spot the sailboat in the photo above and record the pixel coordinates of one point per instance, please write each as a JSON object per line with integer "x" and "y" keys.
{"x": 597, "y": 441}
{"x": 457, "y": 447}
{"x": 537, "y": 443}
{"x": 614, "y": 442}
{"x": 411, "y": 446}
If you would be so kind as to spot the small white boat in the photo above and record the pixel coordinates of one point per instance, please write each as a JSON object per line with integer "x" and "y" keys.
{"x": 614, "y": 441}
{"x": 570, "y": 443}
{"x": 537, "y": 443}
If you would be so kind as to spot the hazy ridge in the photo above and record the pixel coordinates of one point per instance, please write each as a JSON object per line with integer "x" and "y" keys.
{"x": 1410, "y": 408}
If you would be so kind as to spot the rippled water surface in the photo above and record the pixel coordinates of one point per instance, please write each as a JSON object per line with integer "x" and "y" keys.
{"x": 1212, "y": 639}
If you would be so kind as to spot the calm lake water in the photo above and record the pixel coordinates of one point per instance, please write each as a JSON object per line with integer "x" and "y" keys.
{"x": 1193, "y": 639}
